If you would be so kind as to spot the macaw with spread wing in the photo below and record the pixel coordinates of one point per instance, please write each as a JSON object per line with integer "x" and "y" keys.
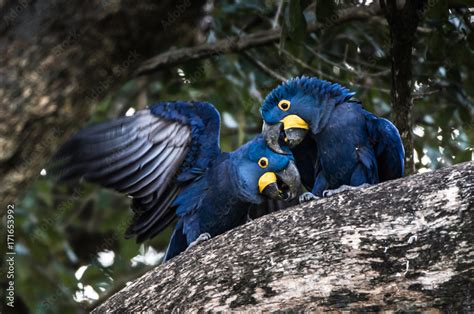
{"x": 167, "y": 158}
{"x": 337, "y": 144}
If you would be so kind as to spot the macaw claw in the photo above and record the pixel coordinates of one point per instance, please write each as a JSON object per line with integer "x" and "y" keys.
{"x": 306, "y": 197}
{"x": 202, "y": 237}
{"x": 249, "y": 219}
{"x": 344, "y": 188}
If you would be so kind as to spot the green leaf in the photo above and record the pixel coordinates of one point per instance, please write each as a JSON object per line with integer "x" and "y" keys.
{"x": 43, "y": 190}
{"x": 92, "y": 275}
{"x": 284, "y": 35}
{"x": 437, "y": 47}
{"x": 437, "y": 11}
{"x": 470, "y": 40}
{"x": 465, "y": 114}
{"x": 468, "y": 82}
{"x": 128, "y": 249}
{"x": 460, "y": 54}
{"x": 462, "y": 156}
{"x": 295, "y": 21}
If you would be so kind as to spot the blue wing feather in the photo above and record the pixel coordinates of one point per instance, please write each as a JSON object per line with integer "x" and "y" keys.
{"x": 369, "y": 171}
{"x": 388, "y": 147}
{"x": 149, "y": 156}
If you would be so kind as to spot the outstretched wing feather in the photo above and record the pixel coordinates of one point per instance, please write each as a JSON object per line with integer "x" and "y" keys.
{"x": 138, "y": 155}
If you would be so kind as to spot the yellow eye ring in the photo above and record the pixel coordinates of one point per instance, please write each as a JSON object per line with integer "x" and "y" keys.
{"x": 263, "y": 162}
{"x": 284, "y": 105}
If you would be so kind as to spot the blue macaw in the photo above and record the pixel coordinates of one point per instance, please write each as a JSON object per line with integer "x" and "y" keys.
{"x": 167, "y": 158}
{"x": 346, "y": 146}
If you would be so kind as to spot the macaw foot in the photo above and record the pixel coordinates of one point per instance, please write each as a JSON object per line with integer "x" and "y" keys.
{"x": 202, "y": 237}
{"x": 249, "y": 219}
{"x": 343, "y": 188}
{"x": 306, "y": 197}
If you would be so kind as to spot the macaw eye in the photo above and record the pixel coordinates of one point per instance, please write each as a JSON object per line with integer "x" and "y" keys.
{"x": 263, "y": 162}
{"x": 284, "y": 105}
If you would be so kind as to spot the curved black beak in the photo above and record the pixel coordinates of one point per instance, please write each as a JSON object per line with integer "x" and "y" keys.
{"x": 272, "y": 191}
{"x": 294, "y": 136}
{"x": 271, "y": 134}
{"x": 283, "y": 185}
{"x": 292, "y": 129}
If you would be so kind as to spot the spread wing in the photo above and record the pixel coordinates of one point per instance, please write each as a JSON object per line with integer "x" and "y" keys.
{"x": 140, "y": 156}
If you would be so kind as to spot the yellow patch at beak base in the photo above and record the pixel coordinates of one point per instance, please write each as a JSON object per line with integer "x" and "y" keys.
{"x": 293, "y": 121}
{"x": 266, "y": 179}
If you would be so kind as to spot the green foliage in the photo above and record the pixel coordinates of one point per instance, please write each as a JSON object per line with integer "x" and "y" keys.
{"x": 295, "y": 21}
{"x": 61, "y": 228}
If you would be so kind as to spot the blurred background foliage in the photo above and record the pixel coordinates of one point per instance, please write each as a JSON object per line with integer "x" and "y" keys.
{"x": 71, "y": 252}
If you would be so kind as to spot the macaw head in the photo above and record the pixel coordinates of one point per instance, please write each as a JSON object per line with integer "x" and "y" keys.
{"x": 296, "y": 106}
{"x": 264, "y": 172}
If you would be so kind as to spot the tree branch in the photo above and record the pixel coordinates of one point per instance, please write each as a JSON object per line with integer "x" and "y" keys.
{"x": 259, "y": 64}
{"x": 403, "y": 24}
{"x": 240, "y": 43}
{"x": 69, "y": 56}
{"x": 403, "y": 245}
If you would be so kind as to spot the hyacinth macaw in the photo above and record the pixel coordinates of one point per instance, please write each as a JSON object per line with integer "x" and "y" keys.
{"x": 337, "y": 144}
{"x": 167, "y": 158}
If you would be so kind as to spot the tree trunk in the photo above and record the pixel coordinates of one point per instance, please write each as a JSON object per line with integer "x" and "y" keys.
{"x": 59, "y": 58}
{"x": 403, "y": 23}
{"x": 403, "y": 245}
